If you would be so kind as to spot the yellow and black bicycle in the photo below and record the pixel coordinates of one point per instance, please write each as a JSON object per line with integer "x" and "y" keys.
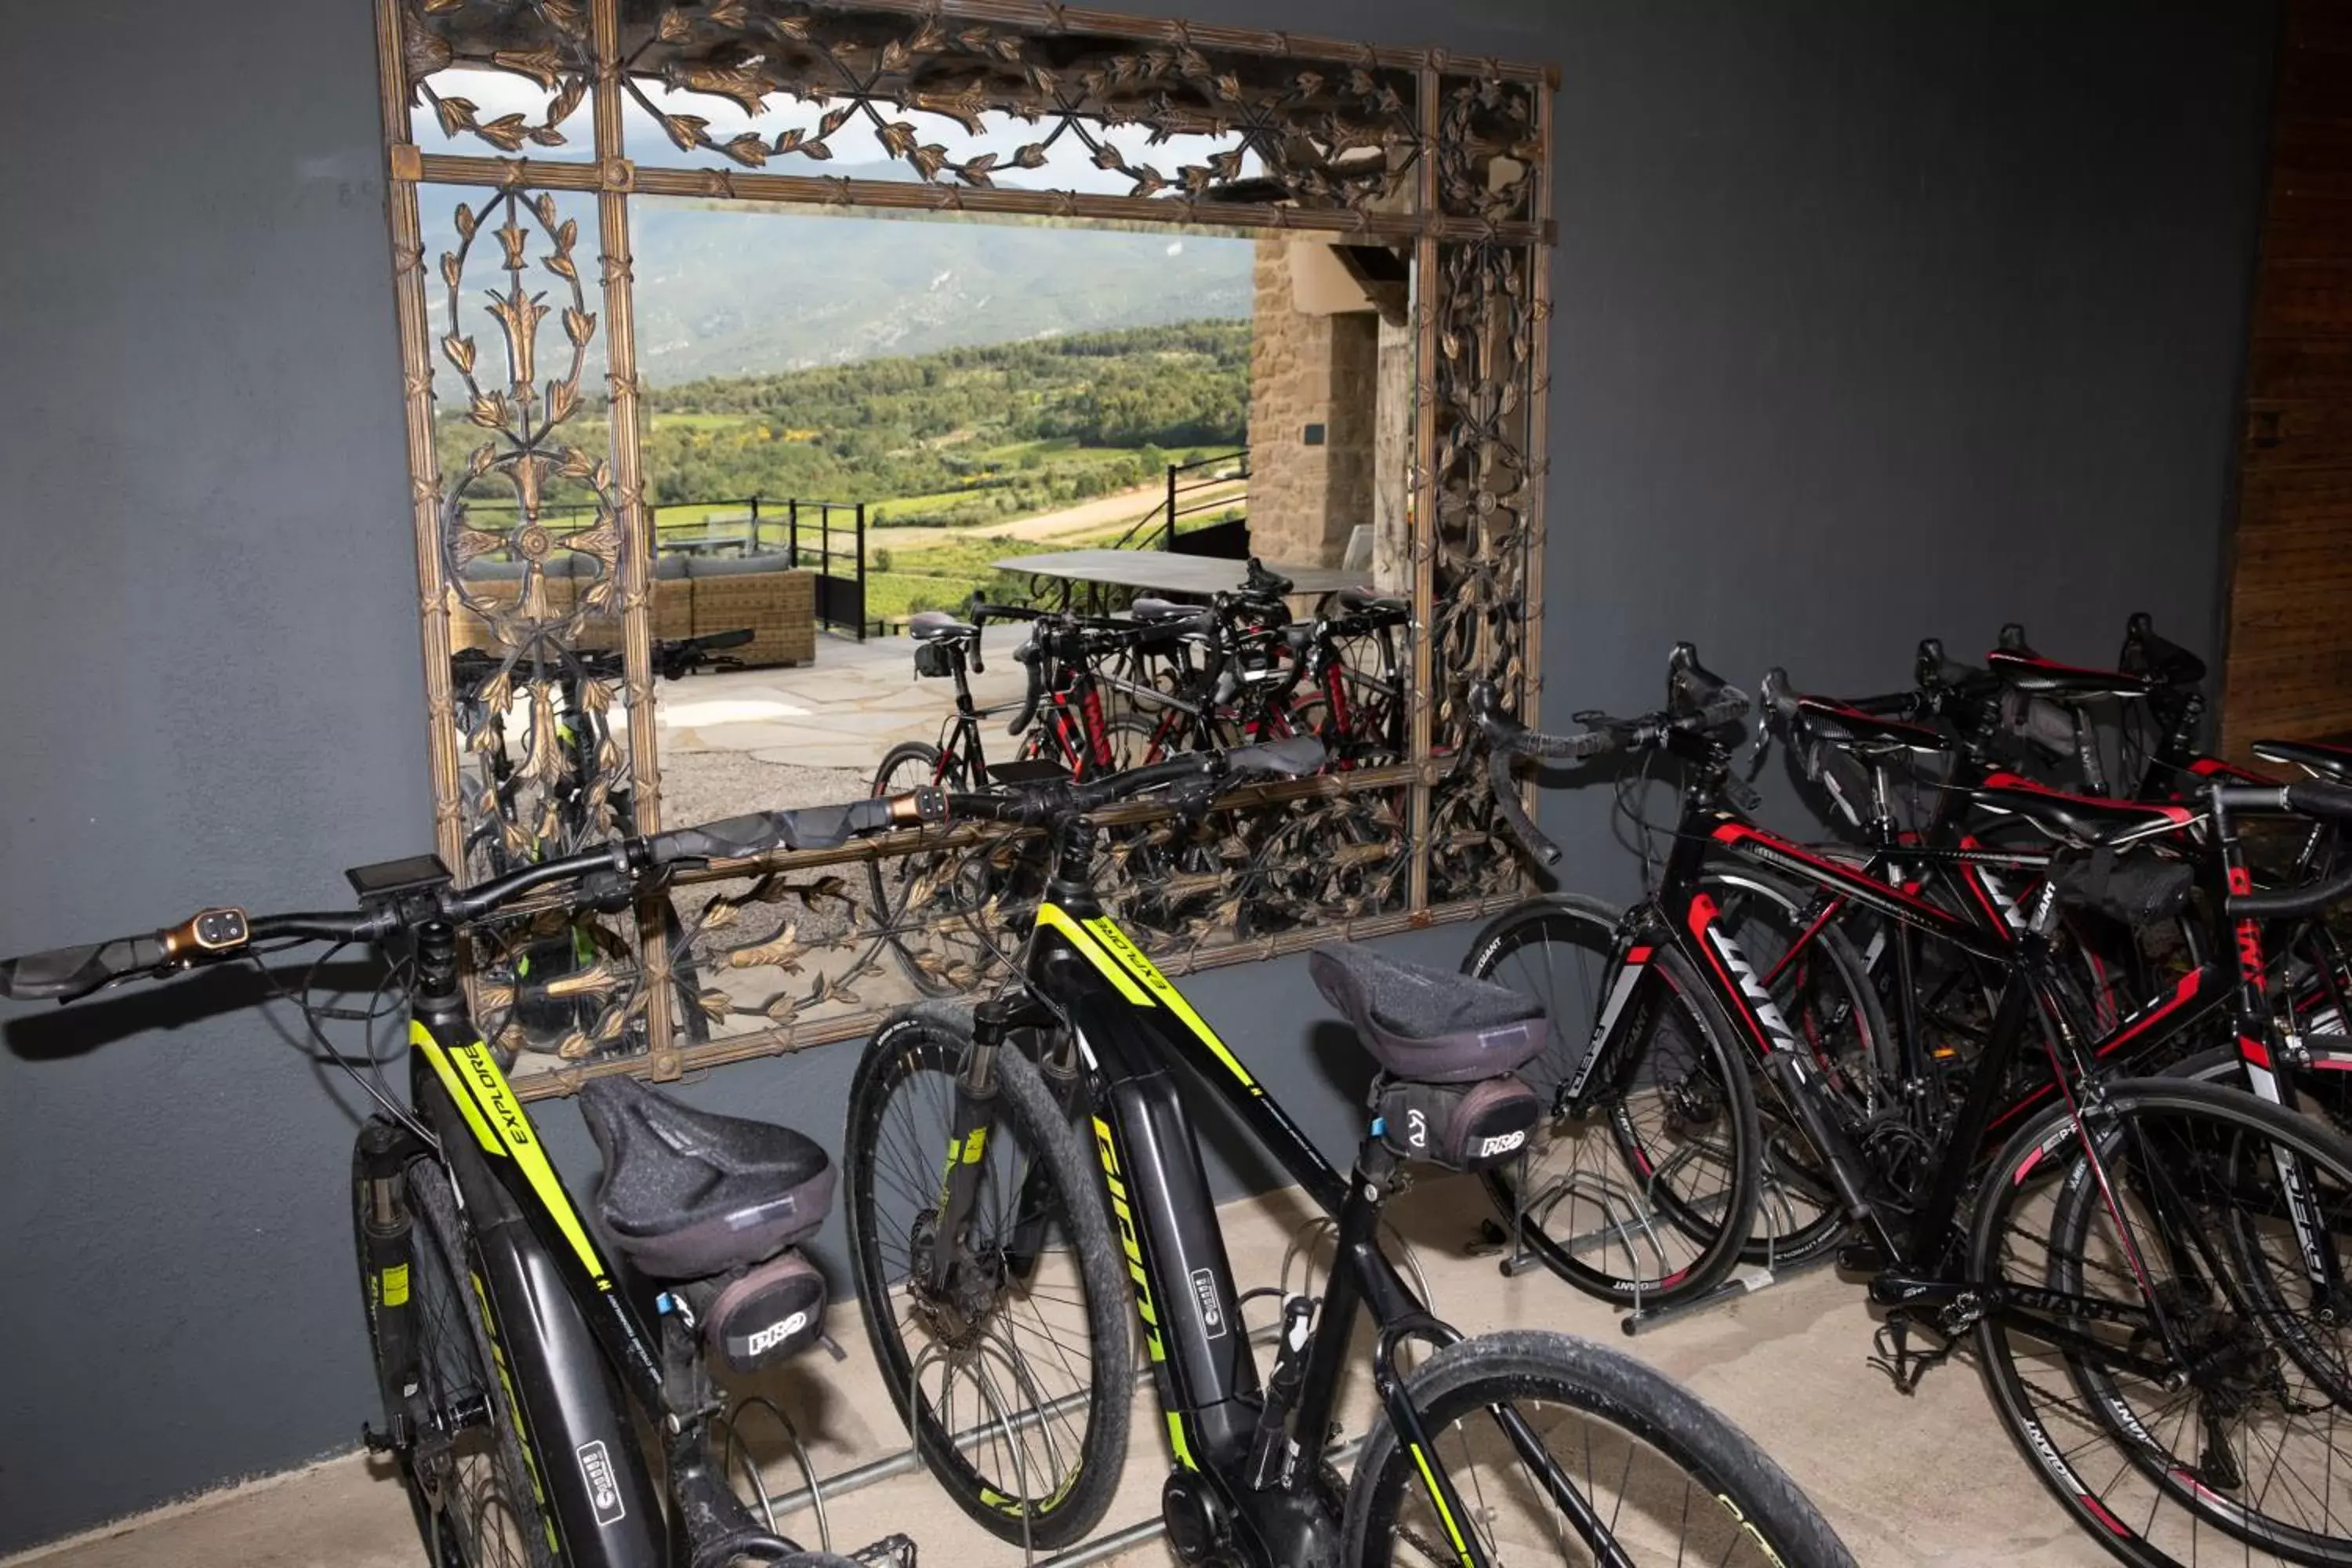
{"x": 987, "y": 1148}
{"x": 512, "y": 1336}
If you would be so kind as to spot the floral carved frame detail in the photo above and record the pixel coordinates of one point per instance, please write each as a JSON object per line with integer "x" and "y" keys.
{"x": 1444, "y": 157}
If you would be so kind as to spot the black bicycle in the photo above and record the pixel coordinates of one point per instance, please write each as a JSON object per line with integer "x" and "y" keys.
{"x": 512, "y": 1340}
{"x": 982, "y": 1148}
{"x": 2152, "y": 1269}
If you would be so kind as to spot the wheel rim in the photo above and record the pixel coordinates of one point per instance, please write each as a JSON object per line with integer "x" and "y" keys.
{"x": 1651, "y": 1507}
{"x": 1629, "y": 1203}
{"x": 979, "y": 1353}
{"x": 2248, "y": 1449}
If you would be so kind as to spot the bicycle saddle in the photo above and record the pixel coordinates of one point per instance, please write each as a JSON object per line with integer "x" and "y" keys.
{"x": 2090, "y": 820}
{"x": 1432, "y": 1026}
{"x": 931, "y": 625}
{"x": 1354, "y": 600}
{"x": 687, "y": 1193}
{"x": 1150, "y": 610}
{"x": 1835, "y": 721}
{"x": 2045, "y": 678}
{"x": 2329, "y": 762}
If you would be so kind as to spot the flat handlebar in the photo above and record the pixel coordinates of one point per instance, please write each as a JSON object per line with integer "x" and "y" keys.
{"x": 66, "y": 974}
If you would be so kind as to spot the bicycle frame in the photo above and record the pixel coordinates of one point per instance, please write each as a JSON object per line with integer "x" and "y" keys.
{"x": 570, "y": 1343}
{"x": 1126, "y": 1024}
{"x": 1685, "y": 916}
{"x": 1921, "y": 1260}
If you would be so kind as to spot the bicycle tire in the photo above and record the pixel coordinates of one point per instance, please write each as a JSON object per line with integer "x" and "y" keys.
{"x": 886, "y": 1190}
{"x": 1573, "y": 1004}
{"x": 1759, "y": 1508}
{"x": 2043, "y": 1166}
{"x": 452, "y": 1365}
{"x": 2325, "y": 1087}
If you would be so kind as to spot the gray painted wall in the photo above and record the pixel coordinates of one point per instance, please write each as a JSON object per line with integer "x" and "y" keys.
{"x": 1873, "y": 320}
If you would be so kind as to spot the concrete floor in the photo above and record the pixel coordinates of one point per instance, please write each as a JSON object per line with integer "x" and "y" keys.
{"x": 1929, "y": 1479}
{"x": 852, "y": 703}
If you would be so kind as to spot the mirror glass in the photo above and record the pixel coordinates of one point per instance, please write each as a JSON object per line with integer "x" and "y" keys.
{"x": 878, "y": 447}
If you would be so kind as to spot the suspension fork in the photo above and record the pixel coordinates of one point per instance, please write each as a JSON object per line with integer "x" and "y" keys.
{"x": 387, "y": 1252}
{"x": 995, "y": 1023}
{"x": 972, "y": 1118}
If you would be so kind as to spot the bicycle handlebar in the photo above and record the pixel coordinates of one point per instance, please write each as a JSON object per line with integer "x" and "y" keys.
{"x": 2305, "y": 797}
{"x": 67, "y": 974}
{"x": 1698, "y": 701}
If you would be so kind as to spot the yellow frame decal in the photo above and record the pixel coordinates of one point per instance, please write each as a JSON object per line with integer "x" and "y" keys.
{"x": 1060, "y": 920}
{"x": 1121, "y": 947}
{"x": 1123, "y": 1221}
{"x": 1437, "y": 1501}
{"x": 487, "y": 1102}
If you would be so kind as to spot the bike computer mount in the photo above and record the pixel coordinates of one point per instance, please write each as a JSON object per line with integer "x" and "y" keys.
{"x": 410, "y": 886}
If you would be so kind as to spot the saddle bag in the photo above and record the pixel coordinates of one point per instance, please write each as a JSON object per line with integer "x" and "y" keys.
{"x": 2138, "y": 891}
{"x": 756, "y": 1317}
{"x": 931, "y": 659}
{"x": 1461, "y": 1126}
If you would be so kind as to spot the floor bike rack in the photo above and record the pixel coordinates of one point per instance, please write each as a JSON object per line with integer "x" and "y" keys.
{"x": 1626, "y": 1218}
{"x": 815, "y": 1491}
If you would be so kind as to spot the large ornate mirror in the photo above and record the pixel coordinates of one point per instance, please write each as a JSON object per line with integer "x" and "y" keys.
{"x": 806, "y": 400}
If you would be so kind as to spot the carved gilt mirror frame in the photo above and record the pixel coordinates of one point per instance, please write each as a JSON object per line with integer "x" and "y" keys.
{"x": 542, "y": 737}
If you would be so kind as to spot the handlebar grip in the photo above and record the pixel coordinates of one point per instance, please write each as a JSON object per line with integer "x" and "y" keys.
{"x": 65, "y": 974}
{"x": 1730, "y": 708}
{"x": 1508, "y": 737}
{"x": 1515, "y": 815}
{"x": 1292, "y": 758}
{"x": 1030, "y": 655}
{"x": 2289, "y": 903}
{"x": 2317, "y": 797}
{"x": 804, "y": 828}
{"x": 729, "y": 838}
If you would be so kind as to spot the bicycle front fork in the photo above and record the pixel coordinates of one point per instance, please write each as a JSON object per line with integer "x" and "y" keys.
{"x": 387, "y": 1241}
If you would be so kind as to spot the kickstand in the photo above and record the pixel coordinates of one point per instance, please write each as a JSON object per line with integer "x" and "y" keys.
{"x": 1903, "y": 1366}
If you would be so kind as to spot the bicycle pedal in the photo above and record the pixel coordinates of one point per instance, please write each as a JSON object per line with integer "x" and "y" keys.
{"x": 1894, "y": 1355}
{"x": 891, "y": 1552}
{"x": 1490, "y": 1239}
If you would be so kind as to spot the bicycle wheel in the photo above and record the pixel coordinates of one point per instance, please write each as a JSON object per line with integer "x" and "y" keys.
{"x": 1014, "y": 1370}
{"x": 2215, "y": 1438}
{"x": 470, "y": 1477}
{"x": 1822, "y": 988}
{"x": 2325, "y": 1087}
{"x": 1665, "y": 1480}
{"x": 1643, "y": 1194}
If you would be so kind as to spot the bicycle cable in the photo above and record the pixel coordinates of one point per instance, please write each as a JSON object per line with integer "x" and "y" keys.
{"x": 310, "y": 1014}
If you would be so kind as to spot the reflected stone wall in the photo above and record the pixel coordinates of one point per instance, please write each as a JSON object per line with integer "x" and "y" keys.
{"x": 1315, "y": 372}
